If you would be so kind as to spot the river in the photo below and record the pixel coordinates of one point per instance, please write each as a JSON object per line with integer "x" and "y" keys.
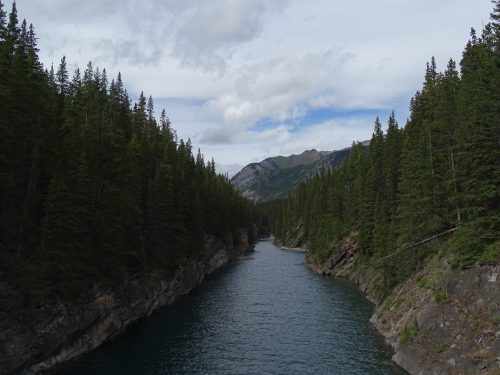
{"x": 268, "y": 314}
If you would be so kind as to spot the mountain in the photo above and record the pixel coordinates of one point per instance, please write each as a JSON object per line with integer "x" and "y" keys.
{"x": 274, "y": 177}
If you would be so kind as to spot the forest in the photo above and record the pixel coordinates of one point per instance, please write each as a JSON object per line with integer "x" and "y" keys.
{"x": 440, "y": 173}
{"x": 93, "y": 189}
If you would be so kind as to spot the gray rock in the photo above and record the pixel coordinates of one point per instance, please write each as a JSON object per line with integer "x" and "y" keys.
{"x": 495, "y": 347}
{"x": 276, "y": 176}
{"x": 62, "y": 332}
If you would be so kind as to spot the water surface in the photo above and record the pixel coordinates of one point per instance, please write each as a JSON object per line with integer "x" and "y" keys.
{"x": 264, "y": 315}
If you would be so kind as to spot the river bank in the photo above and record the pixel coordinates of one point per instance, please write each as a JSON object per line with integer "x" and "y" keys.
{"x": 293, "y": 249}
{"x": 61, "y": 332}
{"x": 264, "y": 315}
{"x": 439, "y": 321}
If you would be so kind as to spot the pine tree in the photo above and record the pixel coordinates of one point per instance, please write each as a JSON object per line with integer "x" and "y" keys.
{"x": 12, "y": 33}
{"x": 373, "y": 192}
{"x": 90, "y": 190}
{"x": 65, "y": 247}
{"x": 478, "y": 151}
{"x": 3, "y": 22}
{"x": 62, "y": 77}
{"x": 391, "y": 158}
{"x": 440, "y": 172}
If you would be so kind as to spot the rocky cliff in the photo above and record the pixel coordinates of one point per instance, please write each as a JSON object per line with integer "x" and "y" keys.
{"x": 439, "y": 321}
{"x": 60, "y": 332}
{"x": 274, "y": 177}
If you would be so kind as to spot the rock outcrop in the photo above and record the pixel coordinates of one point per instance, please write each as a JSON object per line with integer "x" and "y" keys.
{"x": 60, "y": 332}
{"x": 439, "y": 321}
{"x": 275, "y": 177}
{"x": 445, "y": 321}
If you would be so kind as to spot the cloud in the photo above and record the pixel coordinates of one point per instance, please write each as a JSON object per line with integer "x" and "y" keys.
{"x": 278, "y": 88}
{"x": 66, "y": 11}
{"x": 285, "y": 140}
{"x": 253, "y": 75}
{"x": 127, "y": 51}
{"x": 328, "y": 135}
{"x": 230, "y": 169}
{"x": 220, "y": 135}
{"x": 216, "y": 28}
{"x": 323, "y": 101}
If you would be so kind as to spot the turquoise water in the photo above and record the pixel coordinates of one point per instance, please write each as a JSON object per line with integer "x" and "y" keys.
{"x": 265, "y": 315}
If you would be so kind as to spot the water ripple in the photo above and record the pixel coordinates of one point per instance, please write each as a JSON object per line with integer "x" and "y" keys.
{"x": 265, "y": 315}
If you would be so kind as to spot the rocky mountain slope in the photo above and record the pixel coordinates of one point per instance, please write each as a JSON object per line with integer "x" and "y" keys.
{"x": 274, "y": 177}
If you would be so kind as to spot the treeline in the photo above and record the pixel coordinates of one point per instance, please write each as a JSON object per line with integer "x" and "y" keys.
{"x": 441, "y": 171}
{"x": 91, "y": 188}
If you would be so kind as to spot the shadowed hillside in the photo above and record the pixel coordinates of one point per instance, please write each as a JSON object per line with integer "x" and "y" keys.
{"x": 274, "y": 177}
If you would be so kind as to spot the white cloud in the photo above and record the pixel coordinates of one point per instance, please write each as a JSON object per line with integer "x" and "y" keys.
{"x": 127, "y": 51}
{"x": 323, "y": 101}
{"x": 229, "y": 169}
{"x": 252, "y": 61}
{"x": 278, "y": 88}
{"x": 329, "y": 135}
{"x": 217, "y": 27}
{"x": 286, "y": 140}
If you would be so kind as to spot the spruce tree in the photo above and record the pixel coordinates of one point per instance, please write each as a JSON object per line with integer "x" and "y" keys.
{"x": 62, "y": 77}
{"x": 3, "y": 22}
{"x": 478, "y": 151}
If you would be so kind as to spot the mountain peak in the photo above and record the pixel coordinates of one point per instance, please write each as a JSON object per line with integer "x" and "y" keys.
{"x": 275, "y": 176}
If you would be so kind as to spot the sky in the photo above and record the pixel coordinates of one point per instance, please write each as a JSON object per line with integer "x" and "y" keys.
{"x": 249, "y": 79}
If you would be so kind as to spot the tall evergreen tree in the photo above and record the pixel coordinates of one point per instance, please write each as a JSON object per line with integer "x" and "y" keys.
{"x": 62, "y": 77}
{"x": 478, "y": 151}
{"x": 92, "y": 191}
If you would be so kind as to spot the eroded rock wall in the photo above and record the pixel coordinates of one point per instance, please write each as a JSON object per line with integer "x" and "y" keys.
{"x": 60, "y": 332}
{"x": 440, "y": 321}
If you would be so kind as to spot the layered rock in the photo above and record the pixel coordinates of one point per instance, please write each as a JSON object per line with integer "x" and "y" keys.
{"x": 439, "y": 321}
{"x": 60, "y": 332}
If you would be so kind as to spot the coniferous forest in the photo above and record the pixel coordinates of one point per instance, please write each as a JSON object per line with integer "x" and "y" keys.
{"x": 439, "y": 173}
{"x": 106, "y": 215}
{"x": 93, "y": 189}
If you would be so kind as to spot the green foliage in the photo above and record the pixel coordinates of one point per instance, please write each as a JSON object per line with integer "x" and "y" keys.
{"x": 408, "y": 333}
{"x": 440, "y": 296}
{"x": 287, "y": 173}
{"x": 495, "y": 318}
{"x": 433, "y": 280}
{"x": 323, "y": 253}
{"x": 92, "y": 190}
{"x": 491, "y": 254}
{"x": 386, "y": 304}
{"x": 466, "y": 246}
{"x": 440, "y": 172}
{"x": 442, "y": 347}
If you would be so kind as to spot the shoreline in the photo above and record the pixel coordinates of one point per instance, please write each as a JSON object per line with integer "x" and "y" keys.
{"x": 287, "y": 248}
{"x": 66, "y": 332}
{"x": 459, "y": 335}
{"x": 293, "y": 249}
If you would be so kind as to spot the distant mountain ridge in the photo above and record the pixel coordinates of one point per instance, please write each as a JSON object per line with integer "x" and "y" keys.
{"x": 305, "y": 158}
{"x": 274, "y": 177}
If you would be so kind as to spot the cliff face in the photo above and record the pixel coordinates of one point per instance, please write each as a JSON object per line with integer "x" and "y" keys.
{"x": 274, "y": 177}
{"x": 440, "y": 321}
{"x": 61, "y": 332}
{"x": 445, "y": 321}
